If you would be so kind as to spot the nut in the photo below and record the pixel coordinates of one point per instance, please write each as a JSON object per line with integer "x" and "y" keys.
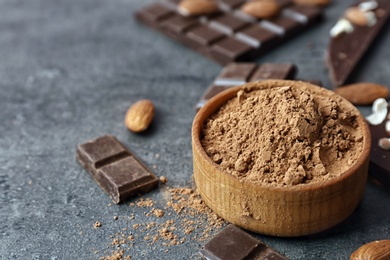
{"x": 358, "y": 17}
{"x": 384, "y": 143}
{"x": 378, "y": 250}
{"x": 197, "y": 7}
{"x": 363, "y": 93}
{"x": 261, "y": 9}
{"x": 312, "y": 2}
{"x": 139, "y": 116}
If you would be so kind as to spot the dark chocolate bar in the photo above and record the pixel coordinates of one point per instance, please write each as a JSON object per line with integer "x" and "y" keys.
{"x": 115, "y": 168}
{"x": 229, "y": 35}
{"x": 232, "y": 243}
{"x": 235, "y": 74}
{"x": 379, "y": 158}
{"x": 346, "y": 50}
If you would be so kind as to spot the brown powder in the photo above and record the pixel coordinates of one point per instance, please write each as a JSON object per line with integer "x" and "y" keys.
{"x": 181, "y": 216}
{"x": 97, "y": 224}
{"x": 158, "y": 213}
{"x": 145, "y": 203}
{"x": 283, "y": 136}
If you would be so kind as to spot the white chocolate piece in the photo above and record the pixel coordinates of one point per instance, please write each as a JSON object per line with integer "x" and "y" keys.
{"x": 343, "y": 25}
{"x": 368, "y": 6}
{"x": 379, "y": 109}
{"x": 387, "y": 127}
{"x": 371, "y": 18}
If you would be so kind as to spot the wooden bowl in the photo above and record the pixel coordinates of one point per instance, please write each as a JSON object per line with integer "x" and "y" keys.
{"x": 279, "y": 211}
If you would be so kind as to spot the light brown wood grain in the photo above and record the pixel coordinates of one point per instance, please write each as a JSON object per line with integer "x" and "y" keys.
{"x": 288, "y": 211}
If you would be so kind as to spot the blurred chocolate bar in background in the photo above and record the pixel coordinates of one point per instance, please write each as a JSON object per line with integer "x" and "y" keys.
{"x": 229, "y": 34}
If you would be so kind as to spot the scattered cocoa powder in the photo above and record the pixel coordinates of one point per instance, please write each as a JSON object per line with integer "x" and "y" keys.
{"x": 116, "y": 255}
{"x": 181, "y": 216}
{"x": 283, "y": 136}
{"x": 145, "y": 203}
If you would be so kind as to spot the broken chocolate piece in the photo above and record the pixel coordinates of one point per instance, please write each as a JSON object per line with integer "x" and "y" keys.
{"x": 235, "y": 74}
{"x": 379, "y": 157}
{"x": 347, "y": 48}
{"x": 232, "y": 243}
{"x": 229, "y": 34}
{"x": 115, "y": 168}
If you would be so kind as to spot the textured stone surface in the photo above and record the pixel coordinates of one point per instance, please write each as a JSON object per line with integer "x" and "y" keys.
{"x": 69, "y": 70}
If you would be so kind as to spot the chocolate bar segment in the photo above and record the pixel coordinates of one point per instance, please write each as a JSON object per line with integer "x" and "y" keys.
{"x": 274, "y": 71}
{"x": 238, "y": 73}
{"x": 229, "y": 34}
{"x": 232, "y": 243}
{"x": 346, "y": 49}
{"x": 115, "y": 168}
{"x": 379, "y": 158}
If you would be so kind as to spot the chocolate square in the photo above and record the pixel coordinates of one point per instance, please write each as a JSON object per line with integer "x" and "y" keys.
{"x": 237, "y": 73}
{"x": 115, "y": 168}
{"x": 256, "y": 36}
{"x": 232, "y": 243}
{"x": 204, "y": 35}
{"x": 228, "y": 23}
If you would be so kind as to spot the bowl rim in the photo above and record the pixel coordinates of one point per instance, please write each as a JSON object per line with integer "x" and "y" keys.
{"x": 228, "y": 94}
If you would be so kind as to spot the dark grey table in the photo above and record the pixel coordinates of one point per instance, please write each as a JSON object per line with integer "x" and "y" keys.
{"x": 69, "y": 69}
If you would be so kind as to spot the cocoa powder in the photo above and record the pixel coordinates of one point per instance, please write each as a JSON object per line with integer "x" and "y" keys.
{"x": 283, "y": 136}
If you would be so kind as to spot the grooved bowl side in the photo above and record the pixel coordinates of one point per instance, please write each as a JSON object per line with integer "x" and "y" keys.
{"x": 279, "y": 211}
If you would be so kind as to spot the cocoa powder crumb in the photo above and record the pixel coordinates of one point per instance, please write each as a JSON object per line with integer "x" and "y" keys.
{"x": 163, "y": 179}
{"x": 283, "y": 136}
{"x": 182, "y": 216}
{"x": 158, "y": 213}
{"x": 116, "y": 255}
{"x": 145, "y": 203}
{"x": 97, "y": 224}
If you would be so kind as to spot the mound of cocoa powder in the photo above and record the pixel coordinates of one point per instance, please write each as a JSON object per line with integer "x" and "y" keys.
{"x": 283, "y": 136}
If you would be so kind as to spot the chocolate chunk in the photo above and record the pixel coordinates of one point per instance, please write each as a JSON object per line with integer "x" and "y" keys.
{"x": 346, "y": 49}
{"x": 274, "y": 71}
{"x": 235, "y": 74}
{"x": 229, "y": 34}
{"x": 379, "y": 157}
{"x": 204, "y": 35}
{"x": 115, "y": 168}
{"x": 232, "y": 243}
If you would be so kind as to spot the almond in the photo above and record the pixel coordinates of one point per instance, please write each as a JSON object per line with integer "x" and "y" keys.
{"x": 312, "y": 2}
{"x": 378, "y": 250}
{"x": 363, "y": 93}
{"x": 356, "y": 16}
{"x": 197, "y": 7}
{"x": 384, "y": 143}
{"x": 261, "y": 9}
{"x": 139, "y": 116}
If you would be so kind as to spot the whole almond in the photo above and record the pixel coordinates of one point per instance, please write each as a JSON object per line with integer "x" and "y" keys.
{"x": 312, "y": 2}
{"x": 261, "y": 9}
{"x": 363, "y": 93}
{"x": 197, "y": 7}
{"x": 139, "y": 116}
{"x": 356, "y": 16}
{"x": 377, "y": 250}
